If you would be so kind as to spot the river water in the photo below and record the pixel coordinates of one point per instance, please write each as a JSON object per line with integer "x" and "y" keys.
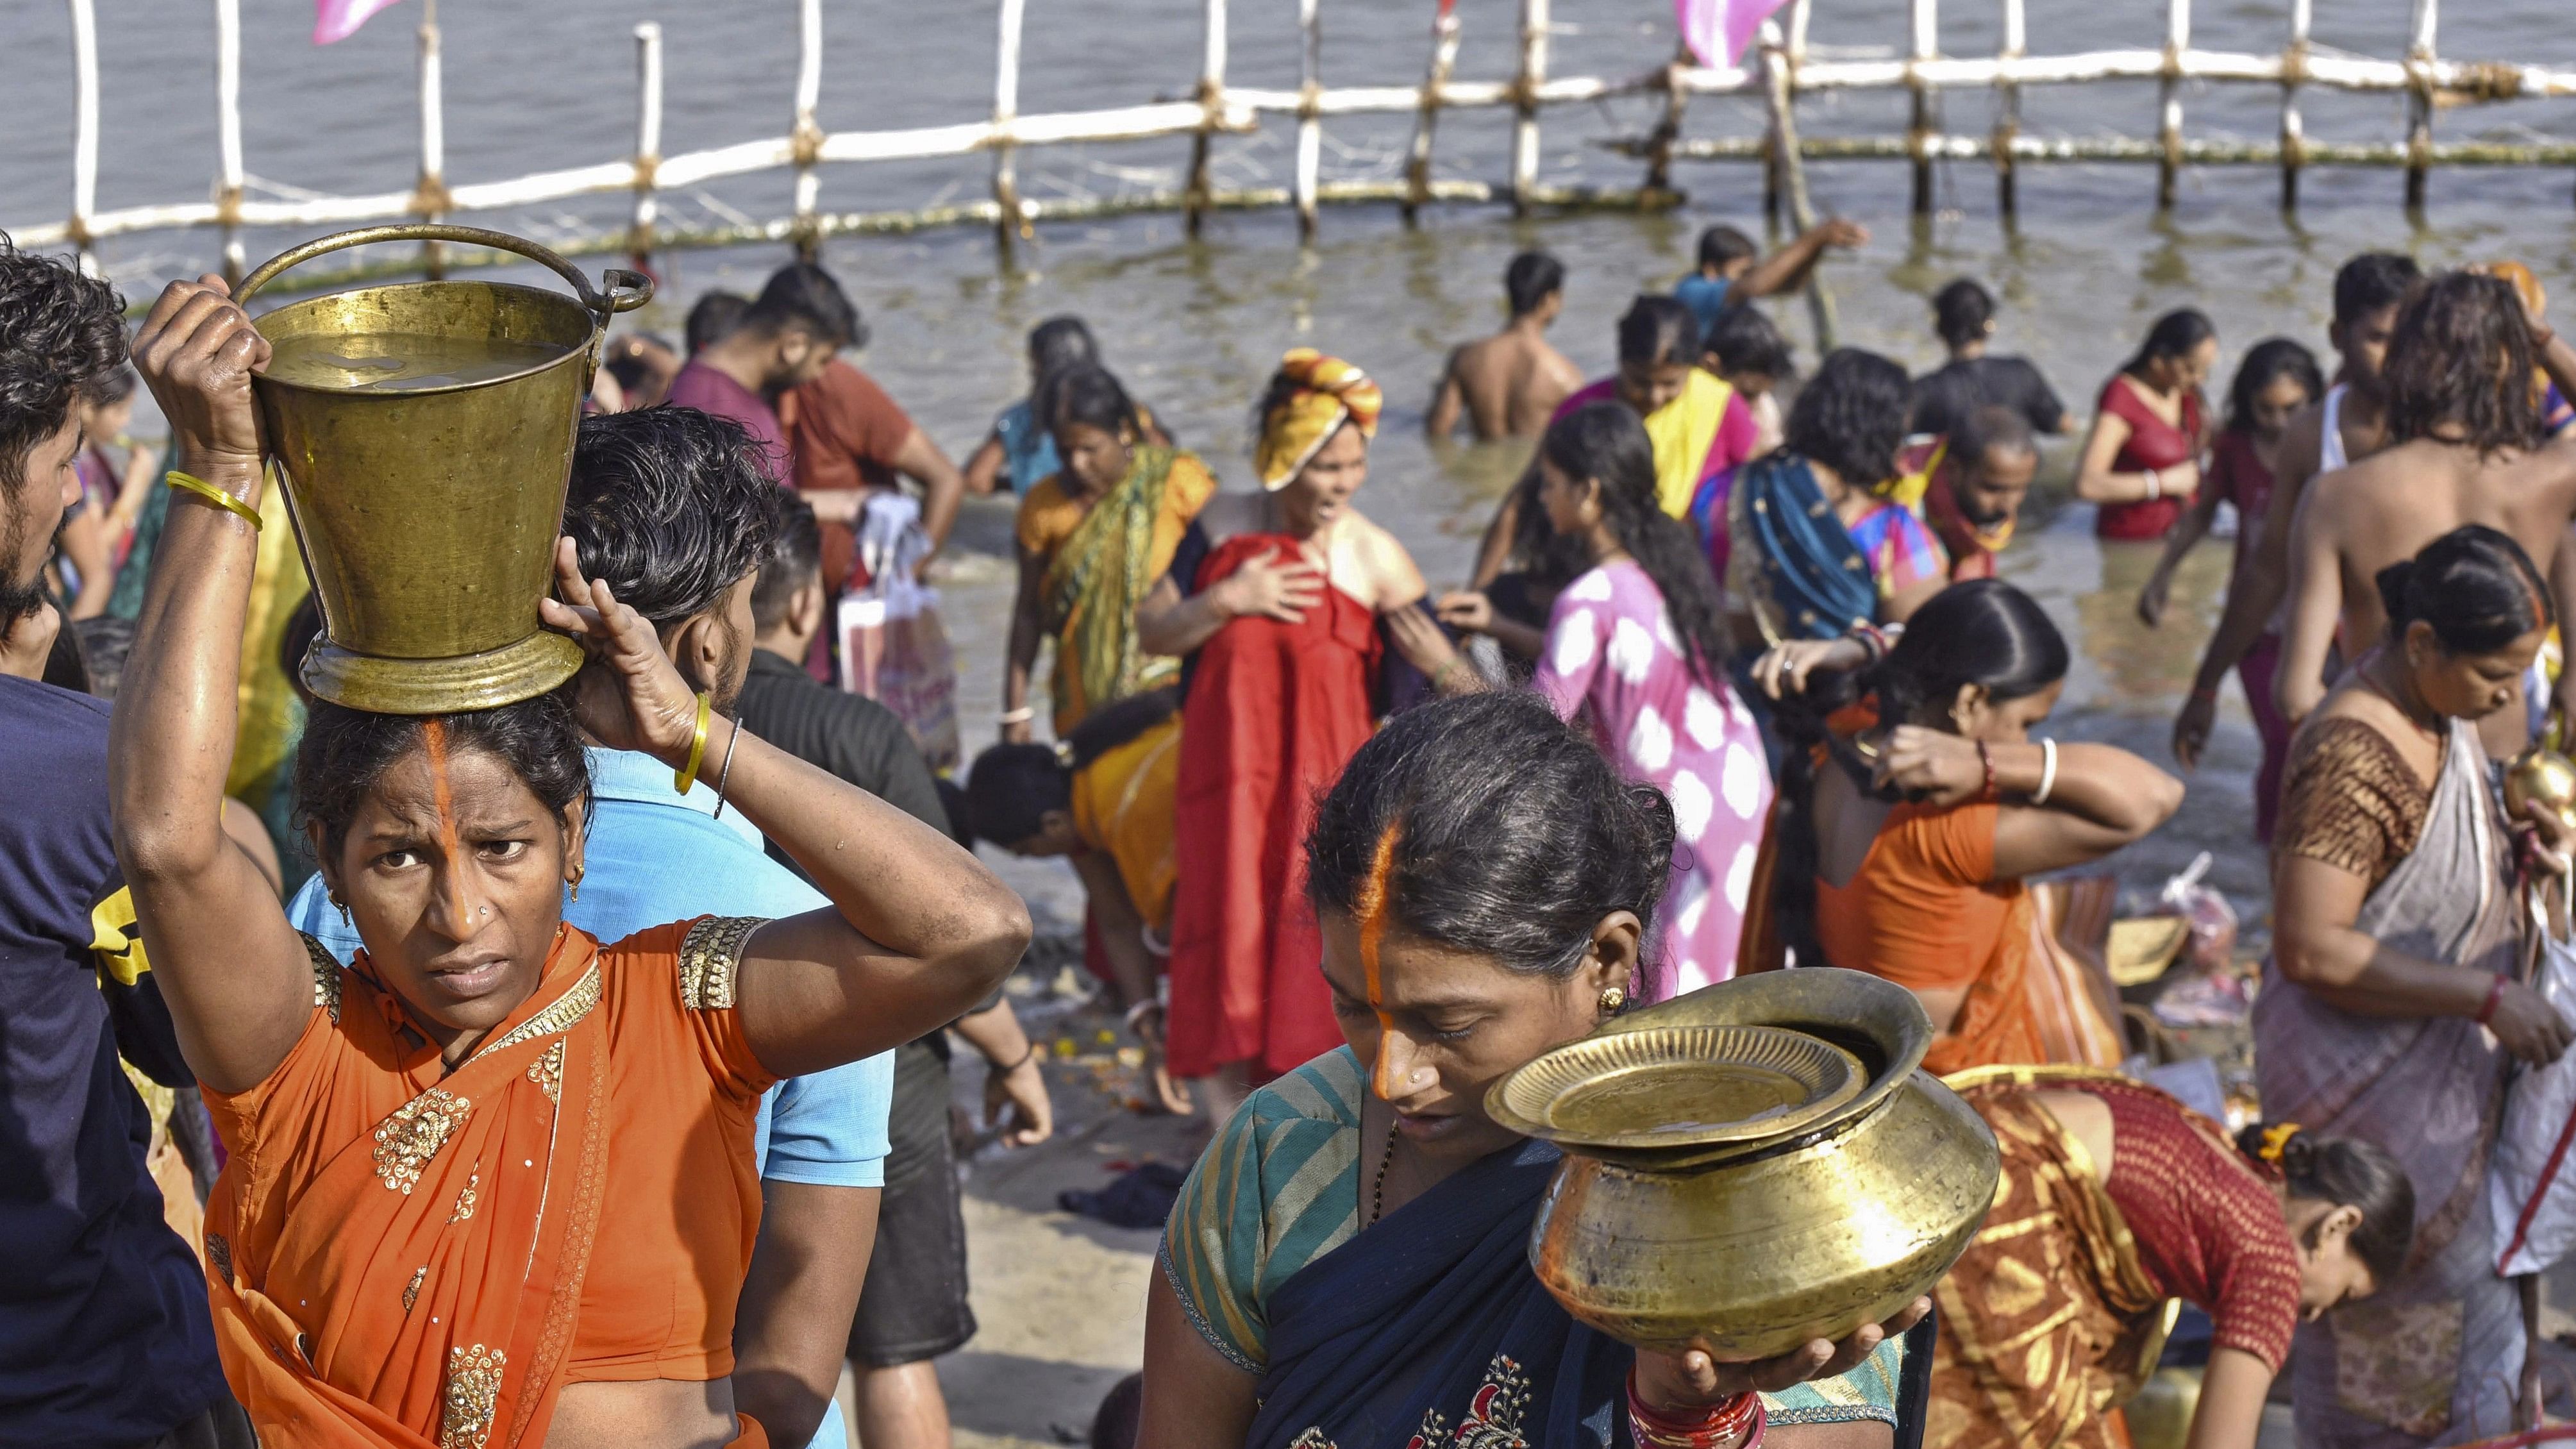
{"x": 1195, "y": 326}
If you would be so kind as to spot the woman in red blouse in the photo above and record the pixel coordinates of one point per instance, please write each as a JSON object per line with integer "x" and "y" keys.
{"x": 2116, "y": 1198}
{"x": 2142, "y": 459}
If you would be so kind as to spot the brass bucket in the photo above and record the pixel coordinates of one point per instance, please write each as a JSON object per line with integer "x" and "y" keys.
{"x": 428, "y": 513}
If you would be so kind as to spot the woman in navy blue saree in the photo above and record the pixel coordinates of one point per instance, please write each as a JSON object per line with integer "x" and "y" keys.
{"x": 1347, "y": 1266}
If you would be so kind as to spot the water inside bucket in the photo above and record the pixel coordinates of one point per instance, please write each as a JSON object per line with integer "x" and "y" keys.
{"x": 401, "y": 361}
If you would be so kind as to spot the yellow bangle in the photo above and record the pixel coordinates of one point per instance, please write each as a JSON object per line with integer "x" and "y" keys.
{"x": 697, "y": 747}
{"x": 191, "y": 483}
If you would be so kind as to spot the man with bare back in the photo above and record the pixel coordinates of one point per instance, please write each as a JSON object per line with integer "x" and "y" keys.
{"x": 2348, "y": 424}
{"x": 2464, "y": 446}
{"x": 1508, "y": 385}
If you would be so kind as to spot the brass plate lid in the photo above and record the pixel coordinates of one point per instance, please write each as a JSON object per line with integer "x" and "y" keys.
{"x": 1678, "y": 1086}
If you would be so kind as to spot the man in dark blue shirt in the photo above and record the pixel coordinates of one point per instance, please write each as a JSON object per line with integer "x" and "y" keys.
{"x": 105, "y": 1338}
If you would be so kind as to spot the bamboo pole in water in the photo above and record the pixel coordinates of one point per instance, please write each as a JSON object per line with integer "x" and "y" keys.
{"x": 2008, "y": 109}
{"x": 2419, "y": 100}
{"x": 648, "y": 141}
{"x": 1926, "y": 48}
{"x": 429, "y": 196}
{"x": 1444, "y": 58}
{"x": 1211, "y": 115}
{"x": 228, "y": 142}
{"x": 84, "y": 129}
{"x": 1782, "y": 99}
{"x": 805, "y": 137}
{"x": 1534, "y": 19}
{"x": 2294, "y": 135}
{"x": 2169, "y": 101}
{"x": 1310, "y": 128}
{"x": 1008, "y": 226}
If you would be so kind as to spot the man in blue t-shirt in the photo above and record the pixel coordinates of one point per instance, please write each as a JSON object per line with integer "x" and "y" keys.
{"x": 1732, "y": 271}
{"x": 668, "y": 507}
{"x": 105, "y": 1339}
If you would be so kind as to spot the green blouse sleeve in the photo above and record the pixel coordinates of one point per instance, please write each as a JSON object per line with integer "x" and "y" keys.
{"x": 1867, "y": 1392}
{"x": 1276, "y": 1189}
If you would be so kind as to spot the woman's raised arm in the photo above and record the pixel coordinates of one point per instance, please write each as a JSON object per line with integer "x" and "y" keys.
{"x": 919, "y": 930}
{"x": 238, "y": 983}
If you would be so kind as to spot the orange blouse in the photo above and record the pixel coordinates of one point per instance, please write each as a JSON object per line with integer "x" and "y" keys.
{"x": 1925, "y": 911}
{"x": 398, "y": 1246}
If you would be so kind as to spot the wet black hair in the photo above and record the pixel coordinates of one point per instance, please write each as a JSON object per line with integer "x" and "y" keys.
{"x": 1531, "y": 279}
{"x": 801, "y": 294}
{"x": 1091, "y": 396}
{"x": 345, "y": 752}
{"x": 1515, "y": 836}
{"x": 58, "y": 330}
{"x": 2174, "y": 334}
{"x": 106, "y": 642}
{"x": 1012, "y": 786}
{"x": 1851, "y": 416}
{"x": 671, "y": 506}
{"x": 2371, "y": 281}
{"x": 2348, "y": 1172}
{"x": 1745, "y": 339}
{"x": 2268, "y": 361}
{"x": 1720, "y": 245}
{"x": 1060, "y": 344}
{"x": 795, "y": 560}
{"x": 296, "y": 639}
{"x": 2461, "y": 357}
{"x": 712, "y": 318}
{"x": 1605, "y": 441}
{"x": 1983, "y": 632}
{"x": 2474, "y": 586}
{"x": 114, "y": 385}
{"x": 1656, "y": 330}
{"x": 1990, "y": 429}
{"x": 1963, "y": 312}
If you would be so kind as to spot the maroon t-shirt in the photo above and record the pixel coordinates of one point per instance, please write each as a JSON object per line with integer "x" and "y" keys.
{"x": 709, "y": 391}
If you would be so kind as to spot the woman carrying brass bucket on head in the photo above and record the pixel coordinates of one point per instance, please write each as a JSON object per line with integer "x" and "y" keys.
{"x": 1350, "y": 1262}
{"x": 491, "y": 1183}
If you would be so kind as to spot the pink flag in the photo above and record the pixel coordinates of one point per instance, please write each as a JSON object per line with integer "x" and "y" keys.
{"x": 1717, "y": 31}
{"x": 340, "y": 19}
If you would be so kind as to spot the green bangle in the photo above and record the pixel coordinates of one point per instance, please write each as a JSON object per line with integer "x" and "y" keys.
{"x": 190, "y": 483}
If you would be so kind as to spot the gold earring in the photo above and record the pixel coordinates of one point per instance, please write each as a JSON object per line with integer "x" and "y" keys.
{"x": 576, "y": 888}
{"x": 342, "y": 907}
{"x": 1614, "y": 1000}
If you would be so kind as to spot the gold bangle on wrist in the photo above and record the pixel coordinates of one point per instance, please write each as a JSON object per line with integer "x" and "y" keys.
{"x": 688, "y": 776}
{"x": 194, "y": 486}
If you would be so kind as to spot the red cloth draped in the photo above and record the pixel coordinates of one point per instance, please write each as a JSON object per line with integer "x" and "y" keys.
{"x": 1274, "y": 712}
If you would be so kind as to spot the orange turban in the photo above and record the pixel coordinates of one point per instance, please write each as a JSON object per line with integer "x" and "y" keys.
{"x": 1329, "y": 391}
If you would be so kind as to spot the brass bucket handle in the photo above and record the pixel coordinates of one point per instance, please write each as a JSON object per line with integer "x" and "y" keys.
{"x": 625, "y": 292}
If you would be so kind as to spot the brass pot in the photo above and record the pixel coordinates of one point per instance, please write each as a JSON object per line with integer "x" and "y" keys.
{"x": 1749, "y": 1249}
{"x": 427, "y": 508}
{"x": 2541, "y": 774}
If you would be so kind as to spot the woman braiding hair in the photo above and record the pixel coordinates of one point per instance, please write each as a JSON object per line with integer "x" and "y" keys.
{"x": 1906, "y": 829}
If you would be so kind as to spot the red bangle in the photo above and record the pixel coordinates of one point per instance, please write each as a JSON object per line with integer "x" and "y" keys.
{"x": 2495, "y": 995}
{"x": 1718, "y": 1428}
{"x": 1986, "y": 758}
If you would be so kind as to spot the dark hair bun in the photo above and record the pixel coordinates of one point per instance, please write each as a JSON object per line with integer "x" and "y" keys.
{"x": 2474, "y": 586}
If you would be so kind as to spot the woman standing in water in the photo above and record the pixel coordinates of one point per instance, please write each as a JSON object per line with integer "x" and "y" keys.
{"x": 1285, "y": 618}
{"x": 2142, "y": 459}
{"x": 1348, "y": 1263}
{"x": 491, "y": 1183}
{"x": 1638, "y": 645}
{"x": 2276, "y": 379}
{"x": 1094, "y": 536}
{"x": 2390, "y": 1010}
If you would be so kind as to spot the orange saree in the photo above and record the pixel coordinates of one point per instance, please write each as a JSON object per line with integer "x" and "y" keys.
{"x": 396, "y": 1257}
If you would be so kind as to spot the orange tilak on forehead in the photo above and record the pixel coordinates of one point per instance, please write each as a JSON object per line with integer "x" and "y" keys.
{"x": 1370, "y": 909}
{"x": 433, "y": 743}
